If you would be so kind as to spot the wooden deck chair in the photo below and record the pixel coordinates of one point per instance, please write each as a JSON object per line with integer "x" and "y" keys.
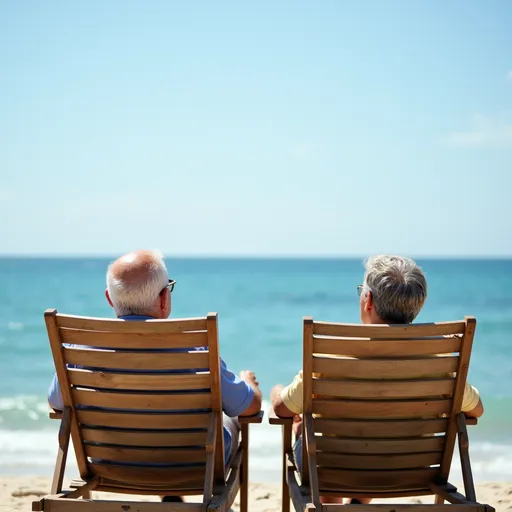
{"x": 381, "y": 416}
{"x": 147, "y": 432}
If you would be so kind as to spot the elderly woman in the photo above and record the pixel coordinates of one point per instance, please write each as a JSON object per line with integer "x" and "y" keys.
{"x": 393, "y": 292}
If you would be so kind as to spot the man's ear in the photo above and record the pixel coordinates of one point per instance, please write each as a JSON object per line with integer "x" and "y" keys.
{"x": 165, "y": 301}
{"x": 108, "y": 298}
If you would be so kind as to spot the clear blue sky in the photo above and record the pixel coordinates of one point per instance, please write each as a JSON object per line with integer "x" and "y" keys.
{"x": 262, "y": 128}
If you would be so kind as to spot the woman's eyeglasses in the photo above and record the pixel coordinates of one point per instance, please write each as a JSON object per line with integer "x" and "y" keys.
{"x": 363, "y": 287}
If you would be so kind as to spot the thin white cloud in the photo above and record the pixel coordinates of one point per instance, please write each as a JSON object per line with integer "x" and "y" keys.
{"x": 485, "y": 133}
{"x": 509, "y": 76}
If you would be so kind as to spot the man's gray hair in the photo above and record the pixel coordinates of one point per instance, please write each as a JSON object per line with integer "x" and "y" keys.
{"x": 398, "y": 287}
{"x": 138, "y": 298}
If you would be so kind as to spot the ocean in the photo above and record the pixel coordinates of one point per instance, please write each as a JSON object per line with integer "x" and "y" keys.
{"x": 260, "y": 303}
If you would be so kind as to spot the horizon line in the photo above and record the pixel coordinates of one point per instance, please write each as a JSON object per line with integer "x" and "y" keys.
{"x": 103, "y": 256}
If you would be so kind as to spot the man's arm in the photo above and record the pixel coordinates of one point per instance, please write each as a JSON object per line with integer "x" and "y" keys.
{"x": 54, "y": 395}
{"x": 255, "y": 406}
{"x": 277, "y": 403}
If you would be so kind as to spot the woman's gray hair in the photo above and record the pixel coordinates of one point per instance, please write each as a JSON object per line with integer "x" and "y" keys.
{"x": 138, "y": 298}
{"x": 398, "y": 287}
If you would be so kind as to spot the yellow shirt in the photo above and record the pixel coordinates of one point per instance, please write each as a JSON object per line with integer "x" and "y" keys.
{"x": 291, "y": 396}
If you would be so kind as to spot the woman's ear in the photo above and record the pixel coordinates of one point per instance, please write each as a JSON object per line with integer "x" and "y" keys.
{"x": 368, "y": 303}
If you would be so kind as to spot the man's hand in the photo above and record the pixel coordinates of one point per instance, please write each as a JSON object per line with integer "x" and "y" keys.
{"x": 249, "y": 377}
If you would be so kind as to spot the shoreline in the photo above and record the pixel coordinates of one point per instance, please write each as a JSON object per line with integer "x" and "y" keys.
{"x": 18, "y": 492}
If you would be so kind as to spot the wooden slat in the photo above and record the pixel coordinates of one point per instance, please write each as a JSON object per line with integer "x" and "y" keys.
{"x": 137, "y": 360}
{"x": 385, "y": 480}
{"x": 380, "y": 446}
{"x": 142, "y": 401}
{"x": 143, "y": 420}
{"x": 138, "y": 381}
{"x": 387, "y": 331}
{"x": 382, "y": 348}
{"x": 173, "y": 478}
{"x": 381, "y": 408}
{"x": 65, "y": 505}
{"x": 402, "y": 461}
{"x": 380, "y": 429}
{"x": 86, "y": 323}
{"x": 146, "y": 456}
{"x": 383, "y": 389}
{"x": 134, "y": 340}
{"x": 148, "y": 490}
{"x": 144, "y": 438}
{"x": 385, "y": 368}
{"x": 380, "y": 494}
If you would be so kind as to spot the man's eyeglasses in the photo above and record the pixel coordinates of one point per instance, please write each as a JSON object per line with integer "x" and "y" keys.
{"x": 169, "y": 285}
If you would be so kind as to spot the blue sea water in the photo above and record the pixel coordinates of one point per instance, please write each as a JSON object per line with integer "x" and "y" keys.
{"x": 260, "y": 303}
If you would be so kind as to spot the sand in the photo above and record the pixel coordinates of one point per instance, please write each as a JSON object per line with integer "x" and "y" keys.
{"x": 17, "y": 493}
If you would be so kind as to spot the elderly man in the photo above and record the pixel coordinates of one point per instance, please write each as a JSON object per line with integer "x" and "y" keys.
{"x": 139, "y": 288}
{"x": 393, "y": 292}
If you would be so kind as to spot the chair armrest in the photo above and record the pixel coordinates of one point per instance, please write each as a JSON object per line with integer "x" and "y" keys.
{"x": 274, "y": 419}
{"x": 257, "y": 418}
{"x": 55, "y": 415}
{"x": 471, "y": 421}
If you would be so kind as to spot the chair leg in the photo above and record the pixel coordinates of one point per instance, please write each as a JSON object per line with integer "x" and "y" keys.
{"x": 467, "y": 475}
{"x": 62, "y": 452}
{"x": 439, "y": 500}
{"x": 287, "y": 445}
{"x": 86, "y": 495}
{"x": 244, "y": 473}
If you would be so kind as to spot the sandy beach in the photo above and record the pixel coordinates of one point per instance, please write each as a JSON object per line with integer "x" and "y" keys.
{"x": 17, "y": 493}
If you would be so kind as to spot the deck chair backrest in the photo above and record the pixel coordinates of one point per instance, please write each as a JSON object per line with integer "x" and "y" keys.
{"x": 144, "y": 398}
{"x": 381, "y": 402}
